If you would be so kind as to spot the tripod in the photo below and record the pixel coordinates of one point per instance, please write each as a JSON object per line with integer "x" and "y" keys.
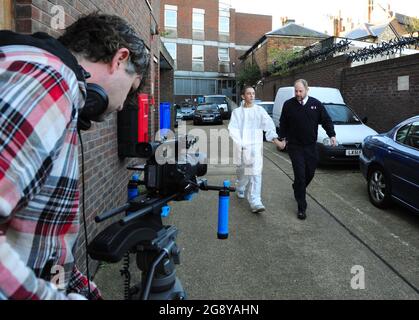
{"x": 157, "y": 259}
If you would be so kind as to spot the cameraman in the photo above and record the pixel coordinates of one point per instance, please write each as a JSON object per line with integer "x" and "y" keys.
{"x": 42, "y": 92}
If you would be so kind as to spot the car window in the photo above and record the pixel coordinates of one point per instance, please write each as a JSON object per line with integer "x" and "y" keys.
{"x": 268, "y": 107}
{"x": 210, "y": 107}
{"x": 219, "y": 100}
{"x": 341, "y": 114}
{"x": 402, "y": 134}
{"x": 412, "y": 138}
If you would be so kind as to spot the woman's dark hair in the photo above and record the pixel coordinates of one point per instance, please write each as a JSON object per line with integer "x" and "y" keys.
{"x": 97, "y": 37}
{"x": 245, "y": 88}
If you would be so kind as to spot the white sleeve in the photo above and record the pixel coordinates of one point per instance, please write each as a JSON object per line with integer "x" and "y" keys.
{"x": 234, "y": 128}
{"x": 268, "y": 126}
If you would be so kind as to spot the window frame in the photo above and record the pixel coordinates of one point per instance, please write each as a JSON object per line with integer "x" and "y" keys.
{"x": 171, "y": 9}
{"x": 220, "y": 30}
{"x": 201, "y": 13}
{"x": 228, "y": 54}
{"x": 203, "y": 53}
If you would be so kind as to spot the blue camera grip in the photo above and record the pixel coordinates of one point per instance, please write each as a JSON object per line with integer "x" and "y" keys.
{"x": 223, "y": 207}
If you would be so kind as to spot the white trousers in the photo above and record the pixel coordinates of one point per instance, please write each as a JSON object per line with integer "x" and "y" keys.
{"x": 251, "y": 185}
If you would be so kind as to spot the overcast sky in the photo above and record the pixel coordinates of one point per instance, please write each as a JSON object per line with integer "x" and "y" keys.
{"x": 314, "y": 13}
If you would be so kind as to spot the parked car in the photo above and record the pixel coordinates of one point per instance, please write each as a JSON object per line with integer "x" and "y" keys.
{"x": 350, "y": 130}
{"x": 390, "y": 164}
{"x": 225, "y": 104}
{"x": 268, "y": 106}
{"x": 179, "y": 117}
{"x": 185, "y": 112}
{"x": 207, "y": 113}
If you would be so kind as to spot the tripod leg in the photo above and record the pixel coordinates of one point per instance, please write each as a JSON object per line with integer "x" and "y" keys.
{"x": 145, "y": 294}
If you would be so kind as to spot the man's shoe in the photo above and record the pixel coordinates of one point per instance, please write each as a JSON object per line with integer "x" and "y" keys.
{"x": 240, "y": 194}
{"x": 301, "y": 215}
{"x": 258, "y": 208}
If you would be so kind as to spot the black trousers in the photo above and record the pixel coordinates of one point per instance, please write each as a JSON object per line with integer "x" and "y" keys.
{"x": 304, "y": 162}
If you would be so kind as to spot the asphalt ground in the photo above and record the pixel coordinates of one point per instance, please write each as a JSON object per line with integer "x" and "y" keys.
{"x": 275, "y": 256}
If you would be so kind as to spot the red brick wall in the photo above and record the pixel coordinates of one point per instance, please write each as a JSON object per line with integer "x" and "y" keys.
{"x": 245, "y": 29}
{"x": 251, "y": 27}
{"x": 371, "y": 90}
{"x": 106, "y": 175}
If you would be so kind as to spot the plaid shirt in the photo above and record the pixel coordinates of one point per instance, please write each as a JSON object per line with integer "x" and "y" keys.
{"x": 39, "y": 199}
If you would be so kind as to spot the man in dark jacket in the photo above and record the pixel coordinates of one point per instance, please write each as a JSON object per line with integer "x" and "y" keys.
{"x": 299, "y": 123}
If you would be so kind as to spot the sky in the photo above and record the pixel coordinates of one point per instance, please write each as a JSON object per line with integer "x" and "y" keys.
{"x": 315, "y": 14}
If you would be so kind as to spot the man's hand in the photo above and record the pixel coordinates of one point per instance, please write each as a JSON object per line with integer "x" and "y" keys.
{"x": 280, "y": 144}
{"x": 333, "y": 141}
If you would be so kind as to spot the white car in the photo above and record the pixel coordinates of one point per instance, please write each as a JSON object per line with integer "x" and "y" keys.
{"x": 350, "y": 130}
{"x": 268, "y": 106}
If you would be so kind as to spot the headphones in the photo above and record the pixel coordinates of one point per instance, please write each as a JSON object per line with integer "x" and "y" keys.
{"x": 97, "y": 102}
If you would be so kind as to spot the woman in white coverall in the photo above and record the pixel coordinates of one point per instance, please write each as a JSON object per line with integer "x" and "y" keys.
{"x": 246, "y": 128}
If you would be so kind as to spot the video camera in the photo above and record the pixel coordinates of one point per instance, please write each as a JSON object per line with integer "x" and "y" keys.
{"x": 171, "y": 173}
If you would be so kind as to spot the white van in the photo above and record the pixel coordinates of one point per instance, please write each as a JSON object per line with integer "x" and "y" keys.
{"x": 350, "y": 130}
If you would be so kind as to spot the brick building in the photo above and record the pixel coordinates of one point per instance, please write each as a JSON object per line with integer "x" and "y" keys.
{"x": 205, "y": 38}
{"x": 289, "y": 36}
{"x": 106, "y": 176}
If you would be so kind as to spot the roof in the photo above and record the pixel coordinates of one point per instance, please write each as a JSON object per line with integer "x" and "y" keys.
{"x": 369, "y": 30}
{"x": 402, "y": 19}
{"x": 290, "y": 30}
{"x": 366, "y": 30}
{"x": 295, "y": 30}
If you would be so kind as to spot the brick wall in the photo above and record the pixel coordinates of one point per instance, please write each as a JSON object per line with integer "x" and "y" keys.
{"x": 251, "y": 27}
{"x": 262, "y": 55}
{"x": 245, "y": 29}
{"x": 371, "y": 89}
{"x": 323, "y": 74}
{"x": 105, "y": 175}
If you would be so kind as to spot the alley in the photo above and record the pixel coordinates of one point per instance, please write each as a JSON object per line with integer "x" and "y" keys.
{"x": 275, "y": 256}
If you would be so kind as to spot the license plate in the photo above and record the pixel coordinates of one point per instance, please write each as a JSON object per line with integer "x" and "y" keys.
{"x": 353, "y": 152}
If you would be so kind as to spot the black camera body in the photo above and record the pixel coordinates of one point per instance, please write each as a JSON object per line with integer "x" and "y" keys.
{"x": 170, "y": 174}
{"x": 170, "y": 168}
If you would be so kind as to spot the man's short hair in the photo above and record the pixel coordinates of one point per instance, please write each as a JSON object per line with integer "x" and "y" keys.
{"x": 303, "y": 82}
{"x": 97, "y": 37}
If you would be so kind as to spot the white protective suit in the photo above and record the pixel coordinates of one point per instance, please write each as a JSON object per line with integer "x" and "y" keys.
{"x": 246, "y": 130}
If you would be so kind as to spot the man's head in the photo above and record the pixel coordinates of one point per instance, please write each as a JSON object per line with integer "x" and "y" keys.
{"x": 301, "y": 89}
{"x": 248, "y": 94}
{"x": 111, "y": 51}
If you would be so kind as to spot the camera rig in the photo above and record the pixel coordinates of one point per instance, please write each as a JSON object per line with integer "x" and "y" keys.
{"x": 142, "y": 231}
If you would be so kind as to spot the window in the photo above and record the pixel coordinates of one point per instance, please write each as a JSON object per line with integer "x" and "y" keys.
{"x": 412, "y": 139}
{"x": 170, "y": 16}
{"x": 402, "y": 134}
{"x": 171, "y": 47}
{"x": 224, "y": 25}
{"x": 224, "y": 18}
{"x": 197, "y": 53}
{"x": 198, "y": 19}
{"x": 223, "y": 54}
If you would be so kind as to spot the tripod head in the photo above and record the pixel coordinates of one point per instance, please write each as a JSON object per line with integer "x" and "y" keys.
{"x": 141, "y": 230}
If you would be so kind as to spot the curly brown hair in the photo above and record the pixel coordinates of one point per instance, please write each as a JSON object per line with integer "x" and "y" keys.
{"x": 97, "y": 37}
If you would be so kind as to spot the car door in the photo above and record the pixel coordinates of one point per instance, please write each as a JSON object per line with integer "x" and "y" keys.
{"x": 412, "y": 172}
{"x": 403, "y": 163}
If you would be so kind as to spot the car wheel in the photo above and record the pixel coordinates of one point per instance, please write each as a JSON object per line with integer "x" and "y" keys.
{"x": 379, "y": 188}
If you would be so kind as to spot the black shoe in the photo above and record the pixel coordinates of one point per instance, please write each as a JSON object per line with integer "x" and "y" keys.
{"x": 301, "y": 215}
